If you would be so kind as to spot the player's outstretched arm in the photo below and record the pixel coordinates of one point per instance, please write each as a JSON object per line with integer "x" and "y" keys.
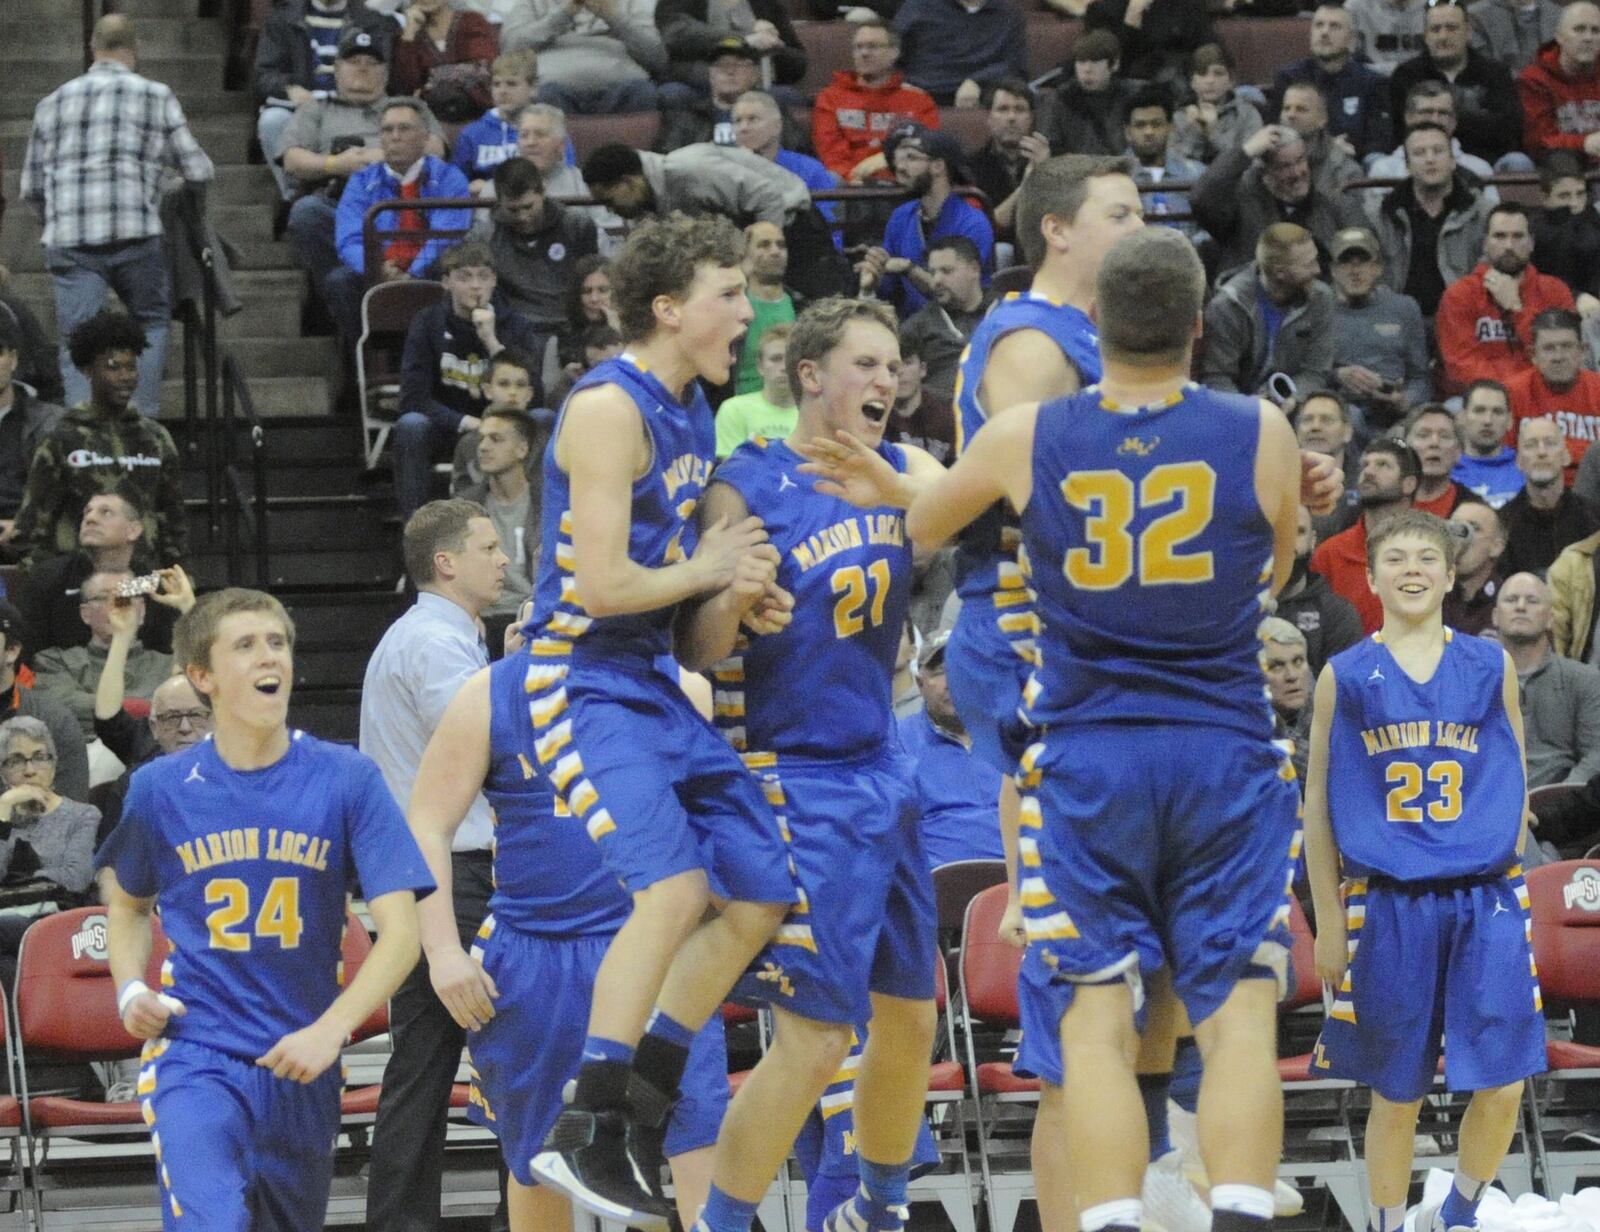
{"x": 603, "y": 449}
{"x": 1511, "y": 693}
{"x": 706, "y": 630}
{"x": 1322, "y": 853}
{"x": 997, "y": 465}
{"x": 303, "y": 1055}
{"x": 1278, "y": 488}
{"x": 449, "y": 777}
{"x": 1025, "y": 366}
{"x": 847, "y": 468}
{"x": 144, "y": 1013}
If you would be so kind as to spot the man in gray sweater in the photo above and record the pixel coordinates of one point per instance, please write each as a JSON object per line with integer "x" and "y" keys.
{"x": 1272, "y": 316}
{"x": 1380, "y": 347}
{"x": 1560, "y": 696}
{"x": 596, "y": 57}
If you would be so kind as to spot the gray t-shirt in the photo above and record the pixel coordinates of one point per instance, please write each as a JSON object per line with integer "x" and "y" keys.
{"x": 510, "y": 520}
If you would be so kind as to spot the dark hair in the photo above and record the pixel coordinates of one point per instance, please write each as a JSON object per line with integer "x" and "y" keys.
{"x": 1422, "y": 410}
{"x": 1326, "y": 395}
{"x": 1513, "y": 207}
{"x": 661, "y": 257}
{"x": 10, "y": 335}
{"x": 103, "y": 333}
{"x": 1151, "y": 288}
{"x": 1096, "y": 45}
{"x": 1561, "y": 165}
{"x": 510, "y": 357}
{"x": 439, "y": 526}
{"x": 877, "y": 23}
{"x": 1484, "y": 382}
{"x": 1304, "y": 84}
{"x": 470, "y": 254}
{"x": 520, "y": 423}
{"x": 1209, "y": 54}
{"x": 1150, "y": 96}
{"x": 1552, "y": 319}
{"x": 414, "y": 105}
{"x": 1426, "y": 89}
{"x": 610, "y": 164}
{"x": 581, "y": 269}
{"x": 1426, "y": 126}
{"x": 1059, "y": 186}
{"x": 1405, "y": 457}
{"x": 958, "y": 244}
{"x": 1014, "y": 86}
{"x": 913, "y": 344}
{"x": 600, "y": 335}
{"x": 517, "y": 177}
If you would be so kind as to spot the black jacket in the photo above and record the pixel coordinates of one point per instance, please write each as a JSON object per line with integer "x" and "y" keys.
{"x": 1329, "y": 621}
{"x": 1078, "y": 123}
{"x": 283, "y": 56}
{"x": 1567, "y": 246}
{"x": 690, "y": 39}
{"x": 1160, "y": 47}
{"x": 38, "y": 364}
{"x": 1488, "y": 111}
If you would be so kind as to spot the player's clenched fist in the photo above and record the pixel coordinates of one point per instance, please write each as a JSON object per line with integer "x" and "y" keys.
{"x": 1332, "y": 954}
{"x": 145, "y": 1014}
{"x": 303, "y": 1055}
{"x": 722, "y": 545}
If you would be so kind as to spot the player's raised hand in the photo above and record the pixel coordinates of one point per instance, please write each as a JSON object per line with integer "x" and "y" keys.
{"x": 1321, "y": 482}
{"x": 722, "y": 545}
{"x": 1331, "y": 953}
{"x": 464, "y": 986}
{"x": 303, "y": 1055}
{"x": 851, "y": 470}
{"x": 146, "y": 1015}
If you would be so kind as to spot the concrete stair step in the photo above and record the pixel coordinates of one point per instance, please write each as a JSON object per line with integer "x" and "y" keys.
{"x": 158, "y": 36}
{"x": 247, "y": 227}
{"x": 225, "y": 138}
{"x": 235, "y": 184}
{"x": 273, "y": 357}
{"x": 273, "y": 396}
{"x": 271, "y": 300}
{"x": 213, "y": 102}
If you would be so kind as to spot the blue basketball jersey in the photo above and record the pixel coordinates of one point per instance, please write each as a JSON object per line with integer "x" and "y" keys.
{"x": 683, "y": 449}
{"x": 986, "y": 558}
{"x": 1425, "y": 781}
{"x": 823, "y": 687}
{"x": 1152, "y": 562}
{"x": 250, "y": 869}
{"x": 548, "y": 877}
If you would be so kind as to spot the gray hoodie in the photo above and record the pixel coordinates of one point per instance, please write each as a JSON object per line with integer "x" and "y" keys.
{"x": 723, "y": 179}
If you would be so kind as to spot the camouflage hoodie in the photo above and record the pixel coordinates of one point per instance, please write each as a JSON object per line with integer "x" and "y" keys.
{"x": 88, "y": 454}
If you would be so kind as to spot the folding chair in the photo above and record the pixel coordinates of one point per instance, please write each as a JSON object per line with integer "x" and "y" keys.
{"x": 1564, "y": 902}
{"x": 989, "y": 970}
{"x": 947, "y": 1089}
{"x": 66, "y": 1010}
{"x": 386, "y": 313}
{"x": 954, "y": 886}
{"x": 13, "y": 1185}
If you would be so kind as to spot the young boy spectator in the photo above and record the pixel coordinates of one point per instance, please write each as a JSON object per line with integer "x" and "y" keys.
{"x": 509, "y": 388}
{"x": 511, "y": 498}
{"x": 491, "y": 139}
{"x": 1217, "y": 118}
{"x": 768, "y": 412}
{"x": 1088, "y": 111}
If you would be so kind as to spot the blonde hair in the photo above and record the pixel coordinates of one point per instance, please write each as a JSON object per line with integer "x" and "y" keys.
{"x": 523, "y": 64}
{"x": 196, "y": 630}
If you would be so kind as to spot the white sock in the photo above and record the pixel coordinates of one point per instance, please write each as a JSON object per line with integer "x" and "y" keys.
{"x": 1386, "y": 1218}
{"x": 1122, "y": 1213}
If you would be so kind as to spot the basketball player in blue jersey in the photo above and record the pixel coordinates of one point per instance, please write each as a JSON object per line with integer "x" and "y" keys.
{"x": 676, "y": 816}
{"x": 1160, "y": 824}
{"x": 862, "y": 942}
{"x": 1416, "y": 796}
{"x": 524, "y": 991}
{"x": 250, "y": 844}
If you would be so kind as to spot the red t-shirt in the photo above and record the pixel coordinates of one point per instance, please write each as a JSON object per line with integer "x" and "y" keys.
{"x": 1342, "y": 560}
{"x": 1576, "y": 410}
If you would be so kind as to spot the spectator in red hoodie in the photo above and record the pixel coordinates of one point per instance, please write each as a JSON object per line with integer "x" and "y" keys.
{"x": 855, "y": 111}
{"x": 1560, "y": 90}
{"x": 1485, "y": 321}
{"x": 1558, "y": 386}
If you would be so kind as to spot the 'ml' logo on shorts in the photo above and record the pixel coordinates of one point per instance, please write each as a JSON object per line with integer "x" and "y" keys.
{"x": 1583, "y": 891}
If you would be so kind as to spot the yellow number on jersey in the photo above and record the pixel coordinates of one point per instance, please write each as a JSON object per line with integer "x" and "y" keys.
{"x": 279, "y": 916}
{"x": 1108, "y": 498}
{"x": 850, "y": 584}
{"x": 1404, "y": 779}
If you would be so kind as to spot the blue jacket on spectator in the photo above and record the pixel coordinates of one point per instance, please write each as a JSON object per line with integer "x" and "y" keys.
{"x": 954, "y": 791}
{"x": 484, "y": 144}
{"x": 444, "y": 365}
{"x": 904, "y": 237}
{"x": 378, "y": 183}
{"x": 1358, "y": 101}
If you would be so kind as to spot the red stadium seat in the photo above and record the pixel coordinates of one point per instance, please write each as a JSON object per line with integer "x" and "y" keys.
{"x": 827, "y": 45}
{"x": 590, "y": 132}
{"x": 1260, "y": 46}
{"x": 386, "y": 312}
{"x": 1050, "y": 40}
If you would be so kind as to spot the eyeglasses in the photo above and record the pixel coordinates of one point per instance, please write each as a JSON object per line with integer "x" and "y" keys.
{"x": 177, "y": 718}
{"x": 1446, "y": 4}
{"x": 44, "y": 757}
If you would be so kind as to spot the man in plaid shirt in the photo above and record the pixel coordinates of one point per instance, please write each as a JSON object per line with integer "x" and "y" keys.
{"x": 96, "y": 157}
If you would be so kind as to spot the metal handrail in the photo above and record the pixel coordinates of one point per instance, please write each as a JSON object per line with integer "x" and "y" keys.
{"x": 237, "y": 399}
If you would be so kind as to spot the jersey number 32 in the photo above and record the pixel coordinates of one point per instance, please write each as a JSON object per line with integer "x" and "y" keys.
{"x": 1112, "y": 554}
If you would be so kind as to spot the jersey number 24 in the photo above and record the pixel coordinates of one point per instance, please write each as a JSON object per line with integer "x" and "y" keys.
{"x": 1112, "y": 555}
{"x": 279, "y": 915}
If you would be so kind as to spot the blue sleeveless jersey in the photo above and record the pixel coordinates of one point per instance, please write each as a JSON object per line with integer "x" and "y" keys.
{"x": 1152, "y": 562}
{"x": 986, "y": 557}
{"x": 548, "y": 878}
{"x": 683, "y": 449}
{"x": 1425, "y": 781}
{"x": 250, "y": 869}
{"x": 823, "y": 687}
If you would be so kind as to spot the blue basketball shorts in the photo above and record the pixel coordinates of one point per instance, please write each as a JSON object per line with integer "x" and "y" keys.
{"x": 1145, "y": 846}
{"x": 237, "y": 1150}
{"x": 865, "y": 922}
{"x": 1436, "y": 962}
{"x": 987, "y": 676}
{"x": 655, "y": 784}
{"x": 522, "y": 1058}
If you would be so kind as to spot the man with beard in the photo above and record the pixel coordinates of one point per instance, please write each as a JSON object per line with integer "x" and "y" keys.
{"x": 766, "y": 262}
{"x": 1469, "y": 607}
{"x": 1149, "y": 132}
{"x": 1560, "y": 696}
{"x": 927, "y": 163}
{"x": 1388, "y": 480}
{"x": 1380, "y": 346}
{"x": 1273, "y": 316}
{"x": 535, "y": 242}
{"x": 1488, "y": 466}
{"x": 1015, "y": 147}
{"x": 1485, "y": 321}
{"x": 1325, "y": 621}
{"x": 944, "y": 326}
{"x": 1433, "y": 432}
{"x": 1545, "y": 516}
{"x": 1558, "y": 386}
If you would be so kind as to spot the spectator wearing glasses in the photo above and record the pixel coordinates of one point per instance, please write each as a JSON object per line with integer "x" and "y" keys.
{"x": 72, "y": 762}
{"x": 1482, "y": 88}
{"x": 1432, "y": 102}
{"x": 856, "y": 111}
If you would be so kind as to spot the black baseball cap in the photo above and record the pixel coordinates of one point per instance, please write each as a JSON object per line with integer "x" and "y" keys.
{"x": 362, "y": 43}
